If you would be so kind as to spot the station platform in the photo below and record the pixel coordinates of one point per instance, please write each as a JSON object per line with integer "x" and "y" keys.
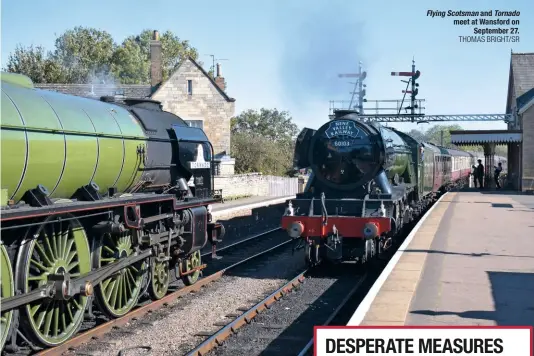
{"x": 229, "y": 207}
{"x": 469, "y": 261}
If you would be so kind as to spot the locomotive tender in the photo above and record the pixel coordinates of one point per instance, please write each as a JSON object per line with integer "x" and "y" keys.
{"x": 368, "y": 182}
{"x": 100, "y": 200}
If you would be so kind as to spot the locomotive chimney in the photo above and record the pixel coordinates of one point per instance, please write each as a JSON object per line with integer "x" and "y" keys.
{"x": 156, "y": 70}
{"x": 219, "y": 79}
{"x": 347, "y": 114}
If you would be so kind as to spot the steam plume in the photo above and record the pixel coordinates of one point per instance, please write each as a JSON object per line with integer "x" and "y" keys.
{"x": 322, "y": 42}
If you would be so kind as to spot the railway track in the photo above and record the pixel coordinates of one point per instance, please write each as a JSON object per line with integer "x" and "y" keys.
{"x": 282, "y": 323}
{"x": 234, "y": 254}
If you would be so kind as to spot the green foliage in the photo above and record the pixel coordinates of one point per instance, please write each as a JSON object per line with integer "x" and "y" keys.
{"x": 433, "y": 134}
{"x": 130, "y": 65}
{"x": 136, "y": 56}
{"x": 263, "y": 141}
{"x": 84, "y": 52}
{"x": 418, "y": 135}
{"x": 272, "y": 124}
{"x": 84, "y": 55}
{"x": 36, "y": 64}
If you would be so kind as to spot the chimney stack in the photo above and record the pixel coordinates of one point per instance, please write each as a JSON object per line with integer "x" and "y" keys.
{"x": 156, "y": 70}
{"x": 219, "y": 79}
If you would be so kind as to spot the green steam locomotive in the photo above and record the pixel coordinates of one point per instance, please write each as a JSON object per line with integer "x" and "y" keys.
{"x": 100, "y": 201}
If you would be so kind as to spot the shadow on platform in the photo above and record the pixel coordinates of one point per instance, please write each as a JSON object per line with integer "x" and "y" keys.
{"x": 466, "y": 254}
{"x": 512, "y": 296}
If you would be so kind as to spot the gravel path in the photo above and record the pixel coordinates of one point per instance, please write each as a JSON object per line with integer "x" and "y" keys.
{"x": 173, "y": 330}
{"x": 288, "y": 326}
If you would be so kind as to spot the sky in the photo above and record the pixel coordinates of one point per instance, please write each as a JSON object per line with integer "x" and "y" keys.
{"x": 287, "y": 54}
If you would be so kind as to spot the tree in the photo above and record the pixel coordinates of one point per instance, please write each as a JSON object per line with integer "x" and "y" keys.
{"x": 130, "y": 64}
{"x": 86, "y": 55}
{"x": 174, "y": 51}
{"x": 418, "y": 135}
{"x": 36, "y": 64}
{"x": 84, "y": 52}
{"x": 273, "y": 124}
{"x": 263, "y": 141}
{"x": 433, "y": 135}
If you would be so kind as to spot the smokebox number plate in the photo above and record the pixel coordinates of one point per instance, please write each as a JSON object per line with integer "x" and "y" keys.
{"x": 200, "y": 165}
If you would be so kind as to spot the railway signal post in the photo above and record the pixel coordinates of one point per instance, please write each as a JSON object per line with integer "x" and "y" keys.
{"x": 361, "y": 75}
{"x": 414, "y": 75}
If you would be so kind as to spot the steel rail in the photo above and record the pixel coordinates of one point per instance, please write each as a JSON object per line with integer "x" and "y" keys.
{"x": 253, "y": 237}
{"x": 222, "y": 334}
{"x": 96, "y": 332}
{"x": 306, "y": 348}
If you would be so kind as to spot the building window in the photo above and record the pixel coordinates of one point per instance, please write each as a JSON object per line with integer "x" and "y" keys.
{"x": 196, "y": 123}
{"x": 190, "y": 87}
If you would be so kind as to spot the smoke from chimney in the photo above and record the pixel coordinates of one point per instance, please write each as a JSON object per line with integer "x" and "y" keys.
{"x": 156, "y": 70}
{"x": 219, "y": 79}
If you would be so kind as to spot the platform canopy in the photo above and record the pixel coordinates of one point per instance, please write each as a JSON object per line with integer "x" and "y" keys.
{"x": 481, "y": 137}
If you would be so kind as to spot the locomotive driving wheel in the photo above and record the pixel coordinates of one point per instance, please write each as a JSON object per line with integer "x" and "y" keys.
{"x": 58, "y": 247}
{"x": 118, "y": 294}
{"x": 6, "y": 290}
{"x": 159, "y": 279}
{"x": 192, "y": 262}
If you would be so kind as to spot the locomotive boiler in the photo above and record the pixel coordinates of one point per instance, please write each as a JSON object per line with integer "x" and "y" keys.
{"x": 368, "y": 183}
{"x": 101, "y": 200}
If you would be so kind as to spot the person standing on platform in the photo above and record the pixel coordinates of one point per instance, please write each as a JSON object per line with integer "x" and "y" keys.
{"x": 480, "y": 174}
{"x": 474, "y": 175}
{"x": 498, "y": 170}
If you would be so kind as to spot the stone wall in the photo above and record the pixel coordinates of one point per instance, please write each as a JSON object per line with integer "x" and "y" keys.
{"x": 206, "y": 103}
{"x": 528, "y": 148}
{"x": 255, "y": 184}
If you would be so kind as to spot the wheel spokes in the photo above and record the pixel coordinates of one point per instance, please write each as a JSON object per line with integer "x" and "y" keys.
{"x": 118, "y": 294}
{"x": 7, "y": 289}
{"x": 57, "y": 247}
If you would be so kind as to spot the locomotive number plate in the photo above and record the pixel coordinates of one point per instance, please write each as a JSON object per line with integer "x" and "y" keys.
{"x": 200, "y": 165}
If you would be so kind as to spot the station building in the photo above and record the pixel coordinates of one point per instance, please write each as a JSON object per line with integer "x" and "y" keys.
{"x": 519, "y": 137}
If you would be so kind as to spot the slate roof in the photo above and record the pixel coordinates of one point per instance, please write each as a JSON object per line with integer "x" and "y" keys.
{"x": 523, "y": 72}
{"x": 98, "y": 90}
{"x": 128, "y": 90}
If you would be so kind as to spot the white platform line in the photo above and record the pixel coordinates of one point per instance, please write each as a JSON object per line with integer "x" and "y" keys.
{"x": 364, "y": 306}
{"x": 260, "y": 204}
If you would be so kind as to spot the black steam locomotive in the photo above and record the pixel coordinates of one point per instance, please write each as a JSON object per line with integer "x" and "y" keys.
{"x": 368, "y": 182}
